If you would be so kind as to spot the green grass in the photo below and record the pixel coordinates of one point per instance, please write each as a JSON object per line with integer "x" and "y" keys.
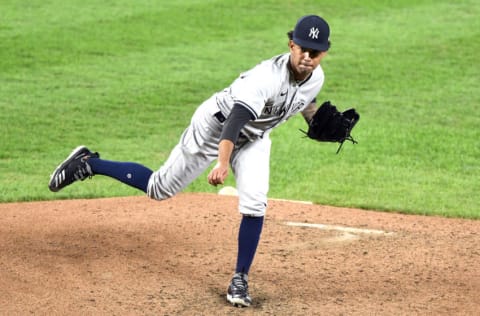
{"x": 124, "y": 77}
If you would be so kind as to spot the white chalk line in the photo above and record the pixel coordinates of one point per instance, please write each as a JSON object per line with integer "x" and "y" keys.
{"x": 292, "y": 201}
{"x": 344, "y": 229}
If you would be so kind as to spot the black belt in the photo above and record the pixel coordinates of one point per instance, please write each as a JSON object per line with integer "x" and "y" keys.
{"x": 220, "y": 117}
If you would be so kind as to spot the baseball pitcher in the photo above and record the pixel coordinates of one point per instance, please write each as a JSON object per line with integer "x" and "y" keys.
{"x": 233, "y": 128}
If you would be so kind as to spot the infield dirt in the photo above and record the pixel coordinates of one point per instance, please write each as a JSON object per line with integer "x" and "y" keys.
{"x": 135, "y": 256}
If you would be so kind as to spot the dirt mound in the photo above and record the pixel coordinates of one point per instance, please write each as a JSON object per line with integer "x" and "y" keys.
{"x": 125, "y": 256}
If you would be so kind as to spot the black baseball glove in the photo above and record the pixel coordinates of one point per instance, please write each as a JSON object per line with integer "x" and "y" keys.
{"x": 330, "y": 125}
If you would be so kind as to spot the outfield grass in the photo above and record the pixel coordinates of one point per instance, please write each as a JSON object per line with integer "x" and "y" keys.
{"x": 124, "y": 77}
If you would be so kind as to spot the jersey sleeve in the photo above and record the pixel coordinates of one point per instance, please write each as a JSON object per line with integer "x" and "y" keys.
{"x": 254, "y": 88}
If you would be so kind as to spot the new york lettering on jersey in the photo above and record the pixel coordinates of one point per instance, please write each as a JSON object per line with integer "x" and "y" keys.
{"x": 269, "y": 91}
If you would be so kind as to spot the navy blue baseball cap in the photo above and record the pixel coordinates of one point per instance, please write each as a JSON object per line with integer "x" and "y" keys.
{"x": 312, "y": 32}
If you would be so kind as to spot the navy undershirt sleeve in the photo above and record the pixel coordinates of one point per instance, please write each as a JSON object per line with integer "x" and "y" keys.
{"x": 239, "y": 116}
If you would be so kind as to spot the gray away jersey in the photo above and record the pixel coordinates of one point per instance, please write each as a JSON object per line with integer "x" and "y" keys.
{"x": 271, "y": 93}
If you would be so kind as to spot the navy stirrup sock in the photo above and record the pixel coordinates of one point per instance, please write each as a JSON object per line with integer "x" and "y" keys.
{"x": 130, "y": 173}
{"x": 248, "y": 237}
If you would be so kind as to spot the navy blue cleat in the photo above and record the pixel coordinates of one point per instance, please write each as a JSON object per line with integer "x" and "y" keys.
{"x": 74, "y": 168}
{"x": 237, "y": 292}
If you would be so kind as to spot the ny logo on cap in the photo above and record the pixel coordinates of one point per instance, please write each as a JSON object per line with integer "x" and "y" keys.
{"x": 314, "y": 33}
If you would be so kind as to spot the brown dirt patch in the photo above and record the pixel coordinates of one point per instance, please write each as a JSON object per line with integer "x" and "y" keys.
{"x": 135, "y": 256}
